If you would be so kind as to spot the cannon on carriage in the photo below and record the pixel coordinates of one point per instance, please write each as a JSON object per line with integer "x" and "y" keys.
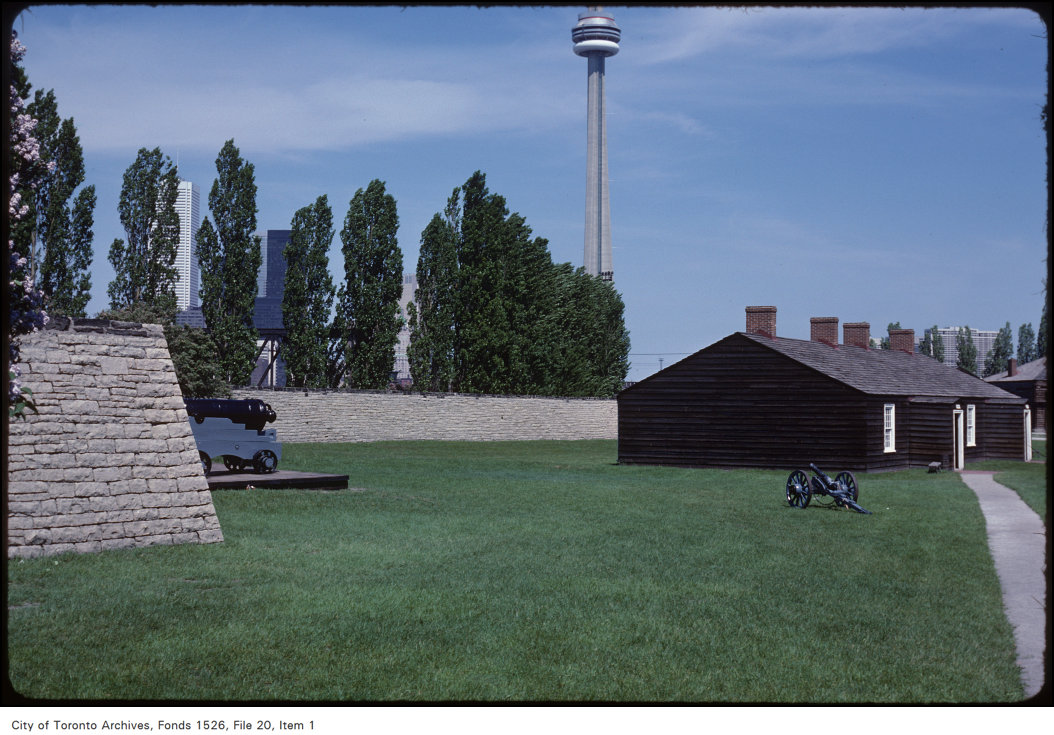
{"x": 234, "y": 430}
{"x": 842, "y": 490}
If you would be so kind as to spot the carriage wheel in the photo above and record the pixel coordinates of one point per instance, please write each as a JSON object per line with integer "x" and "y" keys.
{"x": 849, "y": 481}
{"x": 234, "y": 464}
{"x": 798, "y": 493}
{"x": 265, "y": 461}
{"x": 206, "y": 463}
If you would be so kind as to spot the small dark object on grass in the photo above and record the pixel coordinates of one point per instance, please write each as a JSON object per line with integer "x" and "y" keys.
{"x": 842, "y": 489}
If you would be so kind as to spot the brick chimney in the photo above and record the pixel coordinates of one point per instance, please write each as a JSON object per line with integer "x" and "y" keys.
{"x": 824, "y": 329}
{"x": 902, "y": 339}
{"x": 857, "y": 334}
{"x": 761, "y": 320}
{"x": 1011, "y": 368}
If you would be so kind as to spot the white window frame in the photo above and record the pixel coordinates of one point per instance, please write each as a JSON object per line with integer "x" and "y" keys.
{"x": 889, "y": 427}
{"x": 971, "y": 425}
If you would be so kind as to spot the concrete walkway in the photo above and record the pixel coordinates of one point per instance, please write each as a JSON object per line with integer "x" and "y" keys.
{"x": 1017, "y": 539}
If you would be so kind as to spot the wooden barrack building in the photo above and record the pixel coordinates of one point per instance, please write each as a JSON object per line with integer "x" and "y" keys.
{"x": 754, "y": 399}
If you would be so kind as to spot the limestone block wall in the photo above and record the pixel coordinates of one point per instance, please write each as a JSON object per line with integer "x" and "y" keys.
{"x": 109, "y": 461}
{"x": 366, "y": 416}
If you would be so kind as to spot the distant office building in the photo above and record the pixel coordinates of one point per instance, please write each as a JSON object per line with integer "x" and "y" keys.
{"x": 267, "y": 311}
{"x": 192, "y": 317}
{"x": 983, "y": 340}
{"x": 188, "y": 203}
{"x": 270, "y": 283}
{"x": 402, "y": 348}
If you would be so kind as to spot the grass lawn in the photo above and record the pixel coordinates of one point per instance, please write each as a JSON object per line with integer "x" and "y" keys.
{"x": 532, "y": 571}
{"x": 1029, "y": 480}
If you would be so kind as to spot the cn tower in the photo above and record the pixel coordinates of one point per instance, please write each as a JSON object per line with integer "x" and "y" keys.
{"x": 596, "y": 37}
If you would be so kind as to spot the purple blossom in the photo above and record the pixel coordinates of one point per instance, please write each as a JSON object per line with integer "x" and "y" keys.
{"x": 27, "y": 301}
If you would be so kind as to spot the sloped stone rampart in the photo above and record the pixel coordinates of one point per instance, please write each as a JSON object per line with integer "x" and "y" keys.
{"x": 109, "y": 460}
{"x": 367, "y": 416}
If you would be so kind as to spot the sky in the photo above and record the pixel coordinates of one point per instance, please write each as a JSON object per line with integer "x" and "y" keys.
{"x": 873, "y": 164}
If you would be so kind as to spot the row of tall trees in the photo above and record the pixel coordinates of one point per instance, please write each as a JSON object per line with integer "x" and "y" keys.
{"x": 494, "y": 314}
{"x": 357, "y": 347}
{"x": 1029, "y": 348}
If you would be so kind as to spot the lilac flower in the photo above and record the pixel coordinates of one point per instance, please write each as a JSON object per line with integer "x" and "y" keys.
{"x": 27, "y": 301}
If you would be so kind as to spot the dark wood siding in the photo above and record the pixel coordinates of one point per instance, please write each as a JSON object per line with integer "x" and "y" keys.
{"x": 876, "y": 458}
{"x": 931, "y": 432}
{"x": 1000, "y": 431}
{"x": 737, "y": 404}
{"x": 1033, "y": 391}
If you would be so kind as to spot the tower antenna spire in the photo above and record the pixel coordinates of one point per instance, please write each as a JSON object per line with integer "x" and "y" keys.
{"x": 596, "y": 37}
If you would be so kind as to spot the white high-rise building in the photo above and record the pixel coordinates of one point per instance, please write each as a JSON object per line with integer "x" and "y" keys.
{"x": 402, "y": 348}
{"x": 983, "y": 340}
{"x": 188, "y": 207}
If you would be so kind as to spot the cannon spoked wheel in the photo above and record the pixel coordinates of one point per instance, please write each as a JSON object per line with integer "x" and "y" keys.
{"x": 206, "y": 462}
{"x": 798, "y": 493}
{"x": 234, "y": 464}
{"x": 849, "y": 482}
{"x": 265, "y": 461}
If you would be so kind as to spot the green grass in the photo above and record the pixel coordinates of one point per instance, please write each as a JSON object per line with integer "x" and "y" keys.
{"x": 1028, "y": 479}
{"x": 532, "y": 571}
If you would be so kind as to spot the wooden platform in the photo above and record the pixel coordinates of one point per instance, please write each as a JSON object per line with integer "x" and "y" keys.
{"x": 227, "y": 480}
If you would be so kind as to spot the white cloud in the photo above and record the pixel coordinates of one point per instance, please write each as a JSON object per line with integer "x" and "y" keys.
{"x": 140, "y": 84}
{"x": 807, "y": 33}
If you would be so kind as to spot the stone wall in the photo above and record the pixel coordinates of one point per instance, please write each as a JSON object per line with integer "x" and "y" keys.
{"x": 109, "y": 461}
{"x": 364, "y": 416}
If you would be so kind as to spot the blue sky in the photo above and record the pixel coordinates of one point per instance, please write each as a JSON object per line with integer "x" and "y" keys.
{"x": 874, "y": 164}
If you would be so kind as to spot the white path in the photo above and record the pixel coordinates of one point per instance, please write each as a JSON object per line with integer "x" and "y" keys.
{"x": 1017, "y": 539}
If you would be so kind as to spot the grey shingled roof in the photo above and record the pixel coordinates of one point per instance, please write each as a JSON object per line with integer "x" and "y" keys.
{"x": 883, "y": 372}
{"x": 1035, "y": 370}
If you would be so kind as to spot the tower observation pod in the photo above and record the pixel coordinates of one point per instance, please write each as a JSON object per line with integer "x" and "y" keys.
{"x": 596, "y": 37}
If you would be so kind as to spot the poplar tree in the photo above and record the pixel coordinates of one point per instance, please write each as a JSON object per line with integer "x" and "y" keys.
{"x": 308, "y": 295}
{"x": 1002, "y": 350}
{"x": 591, "y": 352}
{"x": 530, "y": 290}
{"x": 58, "y": 231}
{"x": 432, "y": 312}
{"x": 1044, "y": 328}
{"x": 926, "y": 344}
{"x": 229, "y": 261}
{"x": 1026, "y": 344}
{"x": 144, "y": 267}
{"x": 609, "y": 340}
{"x": 369, "y": 297}
{"x": 884, "y": 343}
{"x": 493, "y": 314}
{"x": 938, "y": 344}
{"x": 482, "y": 337}
{"x": 967, "y": 359}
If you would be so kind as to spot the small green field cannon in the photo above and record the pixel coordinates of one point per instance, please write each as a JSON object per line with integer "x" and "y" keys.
{"x": 842, "y": 490}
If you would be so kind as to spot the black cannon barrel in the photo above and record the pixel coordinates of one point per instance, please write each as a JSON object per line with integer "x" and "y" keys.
{"x": 251, "y": 412}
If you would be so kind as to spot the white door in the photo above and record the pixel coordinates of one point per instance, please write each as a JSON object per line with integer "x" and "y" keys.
{"x": 1028, "y": 433}
{"x": 959, "y": 454}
